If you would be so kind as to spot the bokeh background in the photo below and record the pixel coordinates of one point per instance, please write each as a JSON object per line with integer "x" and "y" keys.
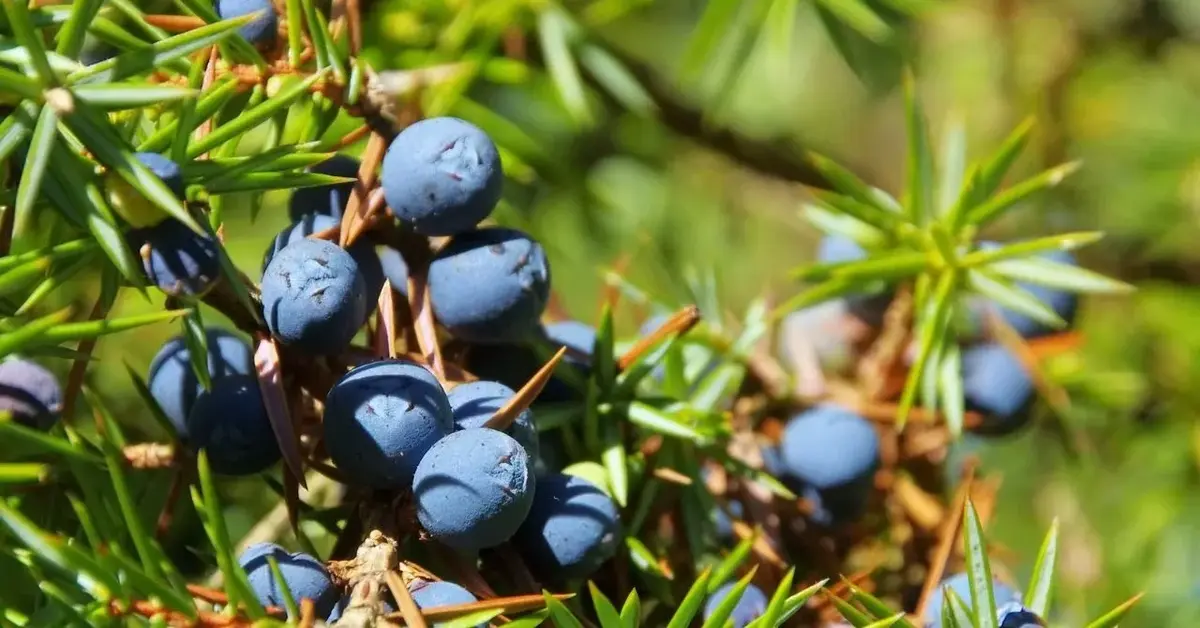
{"x": 699, "y": 178}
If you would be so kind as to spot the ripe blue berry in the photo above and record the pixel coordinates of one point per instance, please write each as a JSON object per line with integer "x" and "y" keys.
{"x": 325, "y": 200}
{"x": 996, "y": 385}
{"x": 511, "y": 364}
{"x": 837, "y": 248}
{"x": 442, "y": 176}
{"x": 1015, "y": 615}
{"x": 490, "y": 285}
{"x": 473, "y": 403}
{"x": 961, "y": 585}
{"x": 722, "y": 522}
{"x": 395, "y": 269}
{"x": 165, "y": 169}
{"x": 314, "y": 297}
{"x": 834, "y": 453}
{"x": 305, "y": 576}
{"x": 473, "y": 489}
{"x": 827, "y": 447}
{"x": 572, "y": 528}
{"x": 30, "y": 393}
{"x": 381, "y": 418}
{"x": 773, "y": 461}
{"x": 178, "y": 260}
{"x": 750, "y": 606}
{"x": 231, "y": 423}
{"x": 262, "y": 29}
{"x": 362, "y": 251}
{"x": 1063, "y": 303}
{"x": 173, "y": 383}
{"x": 580, "y": 340}
{"x": 429, "y": 595}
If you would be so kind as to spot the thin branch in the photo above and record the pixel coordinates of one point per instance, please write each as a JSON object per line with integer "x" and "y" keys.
{"x": 782, "y": 158}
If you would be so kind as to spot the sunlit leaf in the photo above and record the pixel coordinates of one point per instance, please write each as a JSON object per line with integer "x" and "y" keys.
{"x": 979, "y": 570}
{"x": 134, "y": 62}
{"x": 1041, "y": 583}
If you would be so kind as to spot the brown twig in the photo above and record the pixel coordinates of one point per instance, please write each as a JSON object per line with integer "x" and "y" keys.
{"x": 268, "y": 370}
{"x": 949, "y": 534}
{"x": 519, "y": 402}
{"x": 357, "y": 205}
{"x": 386, "y": 321}
{"x": 351, "y": 137}
{"x": 512, "y": 604}
{"x": 782, "y": 158}
{"x": 79, "y": 367}
{"x": 679, "y": 323}
{"x": 181, "y": 479}
{"x": 423, "y": 324}
{"x": 174, "y": 23}
{"x": 149, "y": 455}
{"x": 210, "y": 75}
{"x": 408, "y": 607}
{"x": 354, "y": 21}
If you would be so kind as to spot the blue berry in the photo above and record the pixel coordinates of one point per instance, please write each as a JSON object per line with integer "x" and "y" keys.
{"x": 837, "y": 249}
{"x": 362, "y": 251}
{"x": 1063, "y": 303}
{"x": 511, "y": 364}
{"x": 442, "y": 176}
{"x": 827, "y": 447}
{"x": 430, "y": 595}
{"x": 996, "y": 385}
{"x": 552, "y": 455}
{"x": 314, "y": 297}
{"x": 96, "y": 50}
{"x": 165, "y": 169}
{"x": 1015, "y": 615}
{"x": 833, "y": 453}
{"x": 395, "y": 269}
{"x": 305, "y": 576}
{"x": 261, "y": 30}
{"x": 325, "y": 200}
{"x": 572, "y": 528}
{"x": 231, "y": 423}
{"x": 576, "y": 336}
{"x": 30, "y": 393}
{"x": 173, "y": 383}
{"x": 473, "y": 489}
{"x": 580, "y": 339}
{"x": 773, "y": 461}
{"x": 750, "y": 606}
{"x": 178, "y": 260}
{"x": 473, "y": 403}
{"x": 961, "y": 585}
{"x": 723, "y": 524}
{"x": 380, "y": 420}
{"x": 490, "y": 285}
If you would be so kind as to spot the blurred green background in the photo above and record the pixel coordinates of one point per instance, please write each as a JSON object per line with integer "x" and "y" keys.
{"x": 1114, "y": 83}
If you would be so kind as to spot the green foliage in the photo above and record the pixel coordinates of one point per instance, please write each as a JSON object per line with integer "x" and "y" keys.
{"x": 931, "y": 243}
{"x": 80, "y": 517}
